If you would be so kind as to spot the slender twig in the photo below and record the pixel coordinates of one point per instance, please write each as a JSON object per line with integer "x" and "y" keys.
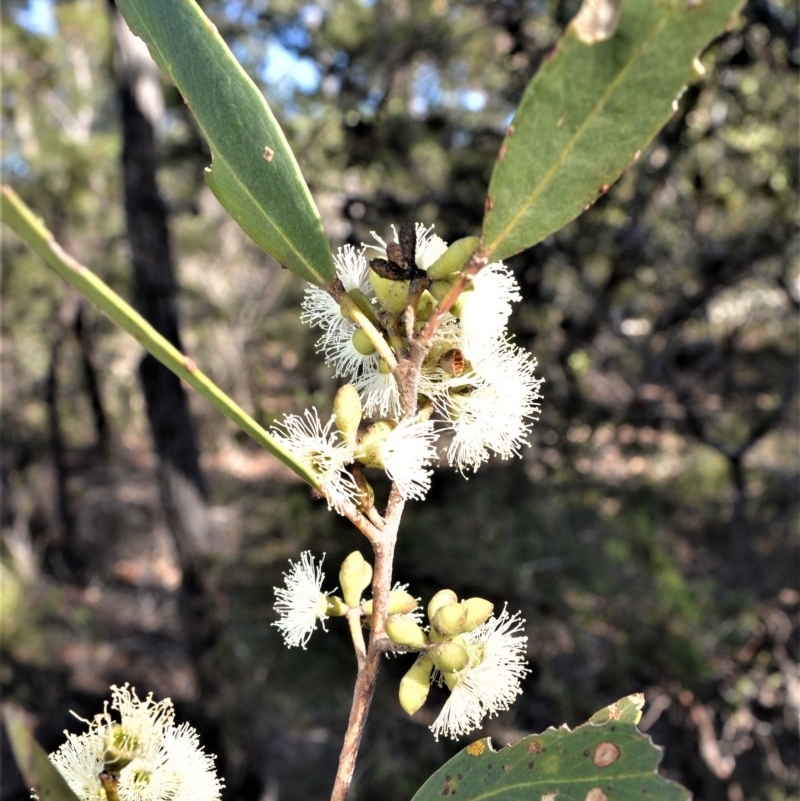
{"x": 357, "y": 633}
{"x": 369, "y": 667}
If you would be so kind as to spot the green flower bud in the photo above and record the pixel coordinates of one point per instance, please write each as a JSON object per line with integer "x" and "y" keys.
{"x": 454, "y": 258}
{"x": 450, "y": 656}
{"x": 392, "y": 295}
{"x": 457, "y": 309}
{"x": 451, "y": 679}
{"x": 354, "y": 576}
{"x": 450, "y": 619}
{"x": 347, "y": 411}
{"x": 120, "y": 749}
{"x": 440, "y": 288}
{"x": 404, "y": 630}
{"x": 427, "y": 303}
{"x": 440, "y": 599}
{"x": 335, "y": 606}
{"x": 371, "y": 443}
{"x": 414, "y": 686}
{"x": 401, "y": 602}
{"x": 362, "y": 343}
{"x": 479, "y": 610}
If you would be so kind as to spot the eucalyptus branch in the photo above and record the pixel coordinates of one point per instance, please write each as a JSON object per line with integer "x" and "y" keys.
{"x": 369, "y": 665}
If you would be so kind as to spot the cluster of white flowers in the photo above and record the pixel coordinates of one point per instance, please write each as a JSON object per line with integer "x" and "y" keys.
{"x": 406, "y": 453}
{"x": 160, "y": 761}
{"x": 488, "y": 404}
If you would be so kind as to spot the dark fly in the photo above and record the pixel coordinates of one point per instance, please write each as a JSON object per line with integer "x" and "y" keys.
{"x": 400, "y": 263}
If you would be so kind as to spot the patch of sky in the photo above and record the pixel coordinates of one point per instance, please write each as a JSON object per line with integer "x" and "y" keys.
{"x": 370, "y": 104}
{"x": 426, "y": 90}
{"x": 14, "y": 166}
{"x": 287, "y": 73}
{"x": 37, "y": 17}
{"x": 429, "y": 94}
{"x": 280, "y": 66}
{"x": 471, "y": 99}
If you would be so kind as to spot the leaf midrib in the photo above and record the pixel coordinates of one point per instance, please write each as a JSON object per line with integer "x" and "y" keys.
{"x": 216, "y": 154}
{"x": 571, "y": 145}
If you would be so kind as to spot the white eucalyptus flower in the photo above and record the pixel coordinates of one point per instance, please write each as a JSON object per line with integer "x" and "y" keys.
{"x": 407, "y": 454}
{"x": 320, "y": 310}
{"x": 300, "y": 603}
{"x": 491, "y": 680}
{"x": 380, "y": 396}
{"x": 485, "y": 310}
{"x": 483, "y": 385}
{"x": 324, "y": 448}
{"x": 495, "y": 409}
{"x": 158, "y": 761}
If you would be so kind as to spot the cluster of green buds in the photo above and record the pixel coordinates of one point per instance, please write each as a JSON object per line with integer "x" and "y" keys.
{"x": 443, "y": 647}
{"x": 462, "y": 377}
{"x": 367, "y": 445}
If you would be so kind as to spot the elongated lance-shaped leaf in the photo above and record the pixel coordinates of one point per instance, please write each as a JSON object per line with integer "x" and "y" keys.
{"x": 604, "y": 759}
{"x": 588, "y": 112}
{"x": 33, "y": 232}
{"x": 253, "y": 172}
{"x": 38, "y": 771}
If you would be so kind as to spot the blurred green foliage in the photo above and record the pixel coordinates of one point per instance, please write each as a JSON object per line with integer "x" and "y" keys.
{"x": 650, "y": 533}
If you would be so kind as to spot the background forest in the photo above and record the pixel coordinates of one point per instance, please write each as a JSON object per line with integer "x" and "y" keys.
{"x": 649, "y": 535}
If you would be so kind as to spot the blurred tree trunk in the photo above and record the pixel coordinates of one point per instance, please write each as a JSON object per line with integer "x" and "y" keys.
{"x": 64, "y": 555}
{"x": 154, "y": 294}
{"x": 182, "y": 487}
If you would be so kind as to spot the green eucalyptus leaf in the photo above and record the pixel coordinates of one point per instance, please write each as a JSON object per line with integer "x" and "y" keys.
{"x": 588, "y": 112}
{"x": 253, "y": 172}
{"x": 35, "y": 766}
{"x": 606, "y": 758}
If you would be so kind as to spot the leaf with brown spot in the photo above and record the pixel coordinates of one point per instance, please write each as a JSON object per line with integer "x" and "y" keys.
{"x": 605, "y": 758}
{"x": 254, "y": 173}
